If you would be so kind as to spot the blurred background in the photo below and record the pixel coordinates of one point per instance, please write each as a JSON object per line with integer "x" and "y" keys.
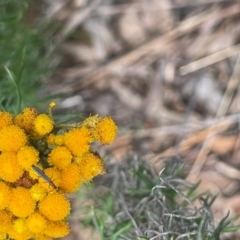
{"x": 168, "y": 73}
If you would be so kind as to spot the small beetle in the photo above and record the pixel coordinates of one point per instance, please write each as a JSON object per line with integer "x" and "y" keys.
{"x": 44, "y": 176}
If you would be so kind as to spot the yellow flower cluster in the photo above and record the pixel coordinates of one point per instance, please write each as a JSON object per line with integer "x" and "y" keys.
{"x": 40, "y": 162}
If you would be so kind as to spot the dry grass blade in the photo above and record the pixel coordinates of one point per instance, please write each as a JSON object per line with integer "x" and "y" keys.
{"x": 209, "y": 60}
{"x": 228, "y": 170}
{"x": 77, "y": 18}
{"x": 222, "y": 110}
{"x": 194, "y": 139}
{"x": 119, "y": 9}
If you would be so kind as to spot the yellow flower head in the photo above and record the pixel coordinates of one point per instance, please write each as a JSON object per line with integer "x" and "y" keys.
{"x": 27, "y": 156}
{"x": 6, "y": 221}
{"x": 3, "y": 236}
{"x": 39, "y": 162}
{"x": 43, "y": 124}
{"x": 91, "y": 121}
{"x": 10, "y": 170}
{"x": 26, "y": 118}
{"x": 78, "y": 140}
{"x": 105, "y": 131}
{"x": 50, "y": 139}
{"x": 53, "y": 139}
{"x": 36, "y": 223}
{"x": 12, "y": 138}
{"x": 21, "y": 203}
{"x": 15, "y": 232}
{"x": 38, "y": 192}
{"x": 19, "y": 225}
{"x": 60, "y": 157}
{"x": 57, "y": 229}
{"x": 54, "y": 207}
{"x": 71, "y": 178}
{"x": 6, "y": 119}
{"x": 52, "y": 105}
{"x": 59, "y": 140}
{"x": 4, "y": 195}
{"x": 42, "y": 237}
{"x": 91, "y": 166}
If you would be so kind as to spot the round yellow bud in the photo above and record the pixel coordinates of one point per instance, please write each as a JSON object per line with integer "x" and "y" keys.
{"x": 4, "y": 195}
{"x": 57, "y": 229}
{"x": 71, "y": 178}
{"x": 21, "y": 203}
{"x": 6, "y": 119}
{"x": 105, "y": 130}
{"x": 60, "y": 157}
{"x": 12, "y": 138}
{"x": 54, "y": 207}
{"x": 78, "y": 140}
{"x": 27, "y": 156}
{"x": 10, "y": 170}
{"x": 36, "y": 223}
{"x": 43, "y": 124}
